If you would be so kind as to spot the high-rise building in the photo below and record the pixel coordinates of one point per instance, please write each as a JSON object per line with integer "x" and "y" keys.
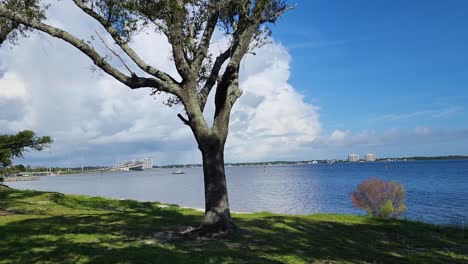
{"x": 353, "y": 158}
{"x": 147, "y": 163}
{"x": 371, "y": 157}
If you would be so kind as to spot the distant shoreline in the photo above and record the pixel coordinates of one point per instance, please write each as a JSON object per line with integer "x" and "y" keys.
{"x": 450, "y": 157}
{"x": 268, "y": 163}
{"x": 105, "y": 169}
{"x": 21, "y": 178}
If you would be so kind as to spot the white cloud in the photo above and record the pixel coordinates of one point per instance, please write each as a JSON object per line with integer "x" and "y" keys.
{"x": 371, "y": 140}
{"x": 338, "y": 137}
{"x": 436, "y": 113}
{"x": 271, "y": 118}
{"x": 12, "y": 87}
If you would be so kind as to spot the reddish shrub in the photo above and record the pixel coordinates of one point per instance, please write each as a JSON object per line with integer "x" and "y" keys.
{"x": 380, "y": 198}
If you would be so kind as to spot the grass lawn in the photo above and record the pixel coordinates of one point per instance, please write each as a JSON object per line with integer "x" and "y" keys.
{"x": 44, "y": 227}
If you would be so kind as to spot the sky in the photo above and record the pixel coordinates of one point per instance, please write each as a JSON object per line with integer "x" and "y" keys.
{"x": 339, "y": 77}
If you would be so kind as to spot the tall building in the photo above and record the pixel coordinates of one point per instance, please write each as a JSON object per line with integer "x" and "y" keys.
{"x": 147, "y": 163}
{"x": 371, "y": 157}
{"x": 353, "y": 158}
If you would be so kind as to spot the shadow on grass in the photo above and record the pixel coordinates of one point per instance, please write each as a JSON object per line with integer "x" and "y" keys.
{"x": 106, "y": 238}
{"x": 374, "y": 241}
{"x": 112, "y": 231}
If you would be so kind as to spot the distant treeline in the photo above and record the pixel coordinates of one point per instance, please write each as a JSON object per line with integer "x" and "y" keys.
{"x": 450, "y": 157}
{"x": 262, "y": 163}
{"x": 22, "y": 168}
{"x": 279, "y": 162}
{"x": 178, "y": 166}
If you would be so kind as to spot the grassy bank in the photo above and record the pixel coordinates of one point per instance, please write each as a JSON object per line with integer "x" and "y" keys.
{"x": 55, "y": 228}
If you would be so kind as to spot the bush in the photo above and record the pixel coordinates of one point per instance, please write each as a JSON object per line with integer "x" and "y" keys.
{"x": 380, "y": 198}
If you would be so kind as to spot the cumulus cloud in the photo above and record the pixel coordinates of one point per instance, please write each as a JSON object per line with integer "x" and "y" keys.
{"x": 51, "y": 88}
{"x": 271, "y": 115}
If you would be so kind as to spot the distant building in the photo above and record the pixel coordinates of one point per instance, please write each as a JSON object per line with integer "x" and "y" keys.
{"x": 353, "y": 158}
{"x": 371, "y": 157}
{"x": 147, "y": 163}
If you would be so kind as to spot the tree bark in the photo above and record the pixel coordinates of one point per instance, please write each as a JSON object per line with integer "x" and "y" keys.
{"x": 217, "y": 213}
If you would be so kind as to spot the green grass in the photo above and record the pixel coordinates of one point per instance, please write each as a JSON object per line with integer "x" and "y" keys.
{"x": 43, "y": 227}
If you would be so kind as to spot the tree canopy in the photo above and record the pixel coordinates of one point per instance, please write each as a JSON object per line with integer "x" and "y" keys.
{"x": 14, "y": 146}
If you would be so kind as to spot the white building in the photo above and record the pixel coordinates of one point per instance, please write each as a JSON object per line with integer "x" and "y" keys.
{"x": 147, "y": 163}
{"x": 353, "y": 158}
{"x": 371, "y": 157}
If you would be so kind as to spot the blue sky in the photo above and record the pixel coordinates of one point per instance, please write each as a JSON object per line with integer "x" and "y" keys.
{"x": 364, "y": 60}
{"x": 340, "y": 77}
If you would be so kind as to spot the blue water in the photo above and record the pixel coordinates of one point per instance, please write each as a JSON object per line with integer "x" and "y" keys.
{"x": 437, "y": 191}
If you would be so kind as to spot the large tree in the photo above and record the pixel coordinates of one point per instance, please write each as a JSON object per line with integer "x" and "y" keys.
{"x": 189, "y": 26}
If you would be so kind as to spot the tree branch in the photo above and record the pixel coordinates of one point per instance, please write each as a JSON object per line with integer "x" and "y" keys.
{"x": 227, "y": 90}
{"x": 211, "y": 81}
{"x": 276, "y": 15}
{"x": 123, "y": 45}
{"x": 5, "y": 29}
{"x": 205, "y": 40}
{"x": 224, "y": 101}
{"x": 184, "y": 120}
{"x": 175, "y": 36}
{"x": 115, "y": 53}
{"x": 133, "y": 81}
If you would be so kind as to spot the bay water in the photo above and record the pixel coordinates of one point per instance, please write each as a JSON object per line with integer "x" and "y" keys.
{"x": 437, "y": 191}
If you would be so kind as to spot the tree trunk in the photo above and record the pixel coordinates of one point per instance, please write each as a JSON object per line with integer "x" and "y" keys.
{"x": 217, "y": 213}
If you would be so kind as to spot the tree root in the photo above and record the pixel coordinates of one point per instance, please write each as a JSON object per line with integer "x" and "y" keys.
{"x": 202, "y": 232}
{"x": 205, "y": 231}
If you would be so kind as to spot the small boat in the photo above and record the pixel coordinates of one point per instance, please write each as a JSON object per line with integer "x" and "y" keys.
{"x": 178, "y": 172}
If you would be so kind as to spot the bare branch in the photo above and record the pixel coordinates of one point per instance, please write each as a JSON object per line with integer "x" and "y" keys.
{"x": 275, "y": 16}
{"x": 115, "y": 53}
{"x": 123, "y": 45}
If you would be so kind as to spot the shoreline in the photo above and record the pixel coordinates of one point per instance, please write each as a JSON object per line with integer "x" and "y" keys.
{"x": 21, "y": 178}
{"x": 456, "y": 222}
